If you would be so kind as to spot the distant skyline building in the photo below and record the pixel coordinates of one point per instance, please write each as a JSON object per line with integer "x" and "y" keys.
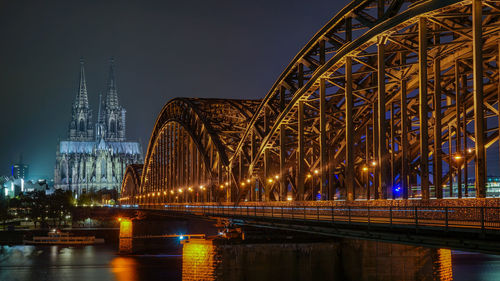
{"x": 20, "y": 170}
{"x": 95, "y": 155}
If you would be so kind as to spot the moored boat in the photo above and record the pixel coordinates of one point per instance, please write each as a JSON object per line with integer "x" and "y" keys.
{"x": 56, "y": 237}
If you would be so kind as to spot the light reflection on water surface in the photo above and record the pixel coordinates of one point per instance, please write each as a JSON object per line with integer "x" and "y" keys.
{"x": 202, "y": 260}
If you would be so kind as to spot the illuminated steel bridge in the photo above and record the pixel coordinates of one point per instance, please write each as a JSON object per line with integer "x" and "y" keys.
{"x": 390, "y": 99}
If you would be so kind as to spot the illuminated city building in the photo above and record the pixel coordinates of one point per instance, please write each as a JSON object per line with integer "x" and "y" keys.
{"x": 20, "y": 170}
{"x": 95, "y": 156}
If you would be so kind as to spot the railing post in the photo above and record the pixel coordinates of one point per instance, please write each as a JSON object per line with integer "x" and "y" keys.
{"x": 304, "y": 213}
{"x": 446, "y": 217}
{"x": 349, "y": 213}
{"x": 255, "y": 210}
{"x": 390, "y": 215}
{"x": 248, "y": 213}
{"x": 482, "y": 219}
{"x": 369, "y": 217}
{"x": 272, "y": 212}
{"x": 416, "y": 217}
{"x": 281, "y": 211}
{"x": 333, "y": 215}
{"x": 317, "y": 212}
{"x": 292, "y": 212}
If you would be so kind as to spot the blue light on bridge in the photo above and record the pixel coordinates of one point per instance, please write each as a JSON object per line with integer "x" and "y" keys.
{"x": 181, "y": 237}
{"x": 396, "y": 190}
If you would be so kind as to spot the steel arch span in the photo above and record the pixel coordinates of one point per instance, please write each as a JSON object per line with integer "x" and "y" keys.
{"x": 390, "y": 99}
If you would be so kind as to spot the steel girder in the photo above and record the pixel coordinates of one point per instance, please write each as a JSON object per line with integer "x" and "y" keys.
{"x": 189, "y": 148}
{"x": 362, "y": 68}
{"x": 389, "y": 99}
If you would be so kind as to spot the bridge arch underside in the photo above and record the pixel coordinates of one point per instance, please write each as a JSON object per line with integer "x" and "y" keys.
{"x": 390, "y": 99}
{"x": 131, "y": 182}
{"x": 189, "y": 149}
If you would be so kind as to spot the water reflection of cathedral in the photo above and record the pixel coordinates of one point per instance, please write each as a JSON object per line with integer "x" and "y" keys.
{"x": 95, "y": 156}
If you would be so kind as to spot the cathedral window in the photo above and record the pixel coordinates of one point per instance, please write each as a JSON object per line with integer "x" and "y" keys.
{"x": 112, "y": 126}
{"x": 81, "y": 128}
{"x": 103, "y": 168}
{"x": 63, "y": 174}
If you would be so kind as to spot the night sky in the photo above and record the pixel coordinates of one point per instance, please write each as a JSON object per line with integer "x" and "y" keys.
{"x": 163, "y": 49}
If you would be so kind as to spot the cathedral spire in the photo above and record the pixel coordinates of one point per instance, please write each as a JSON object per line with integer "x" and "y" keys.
{"x": 100, "y": 122}
{"x": 111, "y": 95}
{"x": 99, "y": 113}
{"x": 81, "y": 127}
{"x": 82, "y": 100}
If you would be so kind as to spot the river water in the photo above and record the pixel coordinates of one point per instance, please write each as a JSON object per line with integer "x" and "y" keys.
{"x": 205, "y": 260}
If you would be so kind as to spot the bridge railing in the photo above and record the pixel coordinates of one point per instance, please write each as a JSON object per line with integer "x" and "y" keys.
{"x": 463, "y": 218}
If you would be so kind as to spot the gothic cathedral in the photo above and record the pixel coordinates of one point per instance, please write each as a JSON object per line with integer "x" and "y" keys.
{"x": 95, "y": 156}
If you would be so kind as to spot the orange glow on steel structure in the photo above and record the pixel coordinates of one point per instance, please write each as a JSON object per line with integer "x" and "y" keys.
{"x": 289, "y": 130}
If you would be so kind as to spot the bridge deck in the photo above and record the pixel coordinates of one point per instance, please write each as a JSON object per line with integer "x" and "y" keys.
{"x": 467, "y": 228}
{"x": 465, "y": 218}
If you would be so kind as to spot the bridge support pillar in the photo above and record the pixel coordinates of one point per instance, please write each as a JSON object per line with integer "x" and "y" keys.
{"x": 382, "y": 141}
{"x": 423, "y": 108}
{"x": 322, "y": 142}
{"x": 125, "y": 239}
{"x": 438, "y": 160}
{"x": 349, "y": 132}
{"x": 477, "y": 73}
{"x": 300, "y": 153}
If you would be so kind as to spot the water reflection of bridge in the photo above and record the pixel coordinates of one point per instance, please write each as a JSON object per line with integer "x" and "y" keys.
{"x": 341, "y": 260}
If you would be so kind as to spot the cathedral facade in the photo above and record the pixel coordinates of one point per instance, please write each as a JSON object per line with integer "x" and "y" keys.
{"x": 95, "y": 155}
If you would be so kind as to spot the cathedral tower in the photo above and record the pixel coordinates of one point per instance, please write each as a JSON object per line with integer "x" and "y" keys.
{"x": 81, "y": 127}
{"x": 114, "y": 115}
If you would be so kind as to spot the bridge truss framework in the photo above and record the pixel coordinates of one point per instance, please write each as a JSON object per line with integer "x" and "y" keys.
{"x": 390, "y": 99}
